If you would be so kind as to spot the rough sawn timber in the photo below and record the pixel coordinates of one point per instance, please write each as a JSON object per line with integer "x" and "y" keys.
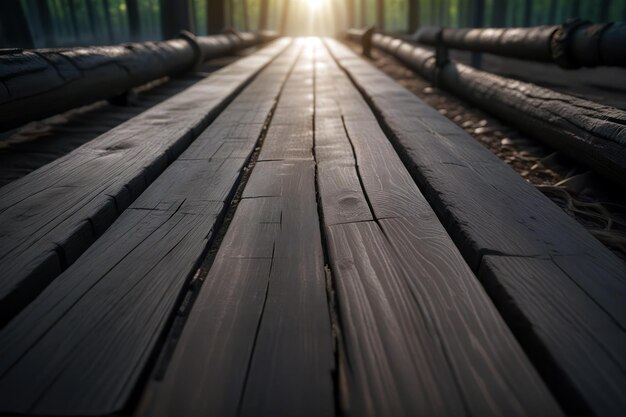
{"x": 84, "y": 344}
{"x": 49, "y": 217}
{"x": 489, "y": 210}
{"x": 258, "y": 340}
{"x": 421, "y": 335}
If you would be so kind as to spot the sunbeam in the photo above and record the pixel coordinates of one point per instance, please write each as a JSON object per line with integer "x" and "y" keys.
{"x": 314, "y": 17}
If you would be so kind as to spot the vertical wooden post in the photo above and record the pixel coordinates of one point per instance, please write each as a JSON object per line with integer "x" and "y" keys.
{"x": 216, "y": 16}
{"x": 414, "y": 15}
{"x": 263, "y": 14}
{"x": 14, "y": 31}
{"x": 380, "y": 15}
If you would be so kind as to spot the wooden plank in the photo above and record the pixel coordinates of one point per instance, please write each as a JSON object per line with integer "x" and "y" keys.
{"x": 81, "y": 347}
{"x": 490, "y": 211}
{"x": 486, "y": 207}
{"x": 421, "y": 335}
{"x": 590, "y": 359}
{"x": 258, "y": 339}
{"x": 49, "y": 217}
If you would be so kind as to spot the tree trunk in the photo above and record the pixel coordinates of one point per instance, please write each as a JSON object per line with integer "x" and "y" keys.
{"x": 283, "y": 19}
{"x": 132, "y": 9}
{"x": 45, "y": 18}
{"x": 14, "y": 31}
{"x": 478, "y": 21}
{"x": 605, "y": 7}
{"x": 499, "y": 13}
{"x": 71, "y": 5}
{"x": 216, "y": 16}
{"x": 174, "y": 17}
{"x": 91, "y": 18}
{"x": 552, "y": 12}
{"x": 350, "y": 13}
{"x": 263, "y": 14}
{"x": 478, "y": 13}
{"x": 414, "y": 15}
{"x": 244, "y": 8}
{"x": 363, "y": 13}
{"x": 380, "y": 15}
{"x": 107, "y": 19}
{"x": 528, "y": 13}
{"x": 575, "y": 10}
{"x": 443, "y": 12}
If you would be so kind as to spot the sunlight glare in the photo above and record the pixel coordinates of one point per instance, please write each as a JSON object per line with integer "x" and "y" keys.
{"x": 314, "y": 5}
{"x": 315, "y": 17}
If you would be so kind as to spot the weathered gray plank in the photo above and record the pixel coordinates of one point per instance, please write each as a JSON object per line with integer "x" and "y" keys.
{"x": 489, "y": 210}
{"x": 258, "y": 339}
{"x": 82, "y": 345}
{"x": 49, "y": 217}
{"x": 421, "y": 335}
{"x": 537, "y": 293}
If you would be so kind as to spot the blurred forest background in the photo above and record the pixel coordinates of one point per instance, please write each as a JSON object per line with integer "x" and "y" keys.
{"x": 54, "y": 23}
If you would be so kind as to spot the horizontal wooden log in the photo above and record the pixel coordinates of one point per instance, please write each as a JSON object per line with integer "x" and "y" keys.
{"x": 51, "y": 216}
{"x": 39, "y": 83}
{"x": 493, "y": 214}
{"x": 591, "y": 133}
{"x": 573, "y": 44}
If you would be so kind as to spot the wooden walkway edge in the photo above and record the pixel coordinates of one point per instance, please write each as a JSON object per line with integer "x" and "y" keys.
{"x": 82, "y": 346}
{"x": 525, "y": 250}
{"x": 51, "y": 216}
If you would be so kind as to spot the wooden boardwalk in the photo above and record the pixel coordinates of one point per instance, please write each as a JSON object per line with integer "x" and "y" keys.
{"x": 376, "y": 262}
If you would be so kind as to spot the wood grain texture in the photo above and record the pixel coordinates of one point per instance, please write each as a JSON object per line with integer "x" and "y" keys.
{"x": 49, "y": 217}
{"x": 586, "y": 356}
{"x": 81, "y": 347}
{"x": 485, "y": 206}
{"x": 421, "y": 335}
{"x": 258, "y": 340}
{"x": 491, "y": 211}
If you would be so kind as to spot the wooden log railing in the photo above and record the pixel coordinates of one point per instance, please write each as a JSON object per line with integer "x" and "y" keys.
{"x": 574, "y": 44}
{"x": 35, "y": 84}
{"x": 591, "y": 133}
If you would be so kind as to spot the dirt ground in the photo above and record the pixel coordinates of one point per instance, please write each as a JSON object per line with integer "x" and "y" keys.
{"x": 598, "y": 205}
